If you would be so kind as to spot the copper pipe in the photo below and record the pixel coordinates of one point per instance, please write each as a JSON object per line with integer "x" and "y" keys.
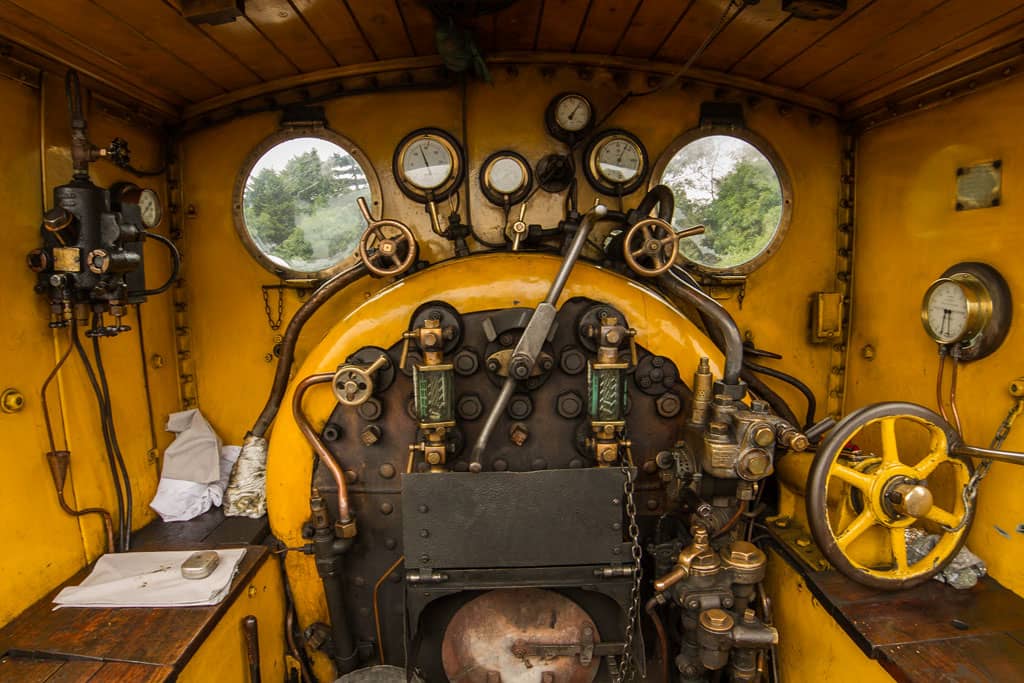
{"x": 376, "y": 604}
{"x": 659, "y": 627}
{"x": 108, "y": 524}
{"x": 952, "y": 396}
{"x": 42, "y": 392}
{"x": 740, "y": 509}
{"x": 326, "y": 457}
{"x": 938, "y": 386}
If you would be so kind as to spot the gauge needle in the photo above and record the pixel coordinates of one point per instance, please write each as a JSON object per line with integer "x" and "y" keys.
{"x": 572, "y": 114}
{"x": 947, "y": 315}
{"x": 622, "y": 150}
{"x": 426, "y": 164}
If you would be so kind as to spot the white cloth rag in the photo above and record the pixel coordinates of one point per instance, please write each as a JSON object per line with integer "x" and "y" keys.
{"x": 179, "y": 501}
{"x": 150, "y": 580}
{"x": 195, "y": 453}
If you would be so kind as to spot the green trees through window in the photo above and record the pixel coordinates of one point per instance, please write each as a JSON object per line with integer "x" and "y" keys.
{"x": 729, "y": 186}
{"x": 299, "y": 204}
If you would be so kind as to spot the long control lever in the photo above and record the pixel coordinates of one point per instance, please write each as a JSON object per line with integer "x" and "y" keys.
{"x": 524, "y": 356}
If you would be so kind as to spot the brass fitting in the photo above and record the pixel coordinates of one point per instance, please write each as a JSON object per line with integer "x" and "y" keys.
{"x": 746, "y": 561}
{"x": 697, "y": 559}
{"x": 12, "y": 401}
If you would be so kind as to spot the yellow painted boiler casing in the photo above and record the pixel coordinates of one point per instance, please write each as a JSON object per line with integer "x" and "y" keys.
{"x": 510, "y": 280}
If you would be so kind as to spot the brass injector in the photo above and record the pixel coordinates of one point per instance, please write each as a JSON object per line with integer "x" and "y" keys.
{"x": 433, "y": 391}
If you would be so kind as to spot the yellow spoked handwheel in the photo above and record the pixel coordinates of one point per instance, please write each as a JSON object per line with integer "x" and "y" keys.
{"x": 883, "y": 469}
{"x": 387, "y": 247}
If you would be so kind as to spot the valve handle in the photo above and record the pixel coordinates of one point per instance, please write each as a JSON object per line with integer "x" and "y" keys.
{"x": 387, "y": 247}
{"x": 353, "y": 384}
{"x": 862, "y": 499}
{"x": 652, "y": 245}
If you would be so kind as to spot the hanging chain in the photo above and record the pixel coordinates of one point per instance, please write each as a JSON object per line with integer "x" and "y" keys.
{"x": 275, "y": 323}
{"x": 970, "y": 492}
{"x": 628, "y": 669}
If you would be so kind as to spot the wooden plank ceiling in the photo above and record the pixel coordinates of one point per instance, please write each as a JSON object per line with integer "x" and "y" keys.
{"x": 875, "y": 48}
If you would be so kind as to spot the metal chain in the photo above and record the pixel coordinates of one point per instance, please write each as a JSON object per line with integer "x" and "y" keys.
{"x": 628, "y": 670}
{"x": 275, "y": 324}
{"x": 970, "y": 492}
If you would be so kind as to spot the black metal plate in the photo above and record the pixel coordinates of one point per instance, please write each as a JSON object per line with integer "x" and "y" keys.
{"x": 513, "y": 519}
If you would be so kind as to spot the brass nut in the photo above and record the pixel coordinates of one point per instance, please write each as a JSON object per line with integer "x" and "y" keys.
{"x": 764, "y": 435}
{"x": 744, "y": 555}
{"x": 12, "y": 401}
{"x": 716, "y": 621}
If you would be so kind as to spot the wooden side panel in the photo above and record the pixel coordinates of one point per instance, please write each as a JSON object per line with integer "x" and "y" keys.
{"x": 517, "y": 26}
{"x": 243, "y": 40}
{"x": 288, "y": 31}
{"x": 560, "y": 24}
{"x": 653, "y": 23}
{"x": 334, "y": 25}
{"x": 382, "y": 24}
{"x": 790, "y": 41}
{"x": 167, "y": 28}
{"x": 875, "y": 24}
{"x": 606, "y": 24}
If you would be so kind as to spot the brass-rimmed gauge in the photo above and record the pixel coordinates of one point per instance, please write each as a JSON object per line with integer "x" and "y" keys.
{"x": 969, "y": 306}
{"x": 428, "y": 165}
{"x": 616, "y": 163}
{"x": 569, "y": 117}
{"x": 506, "y": 178}
{"x": 148, "y": 202}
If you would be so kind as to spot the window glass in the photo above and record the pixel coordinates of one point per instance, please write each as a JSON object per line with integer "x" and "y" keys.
{"x": 299, "y": 204}
{"x": 729, "y": 186}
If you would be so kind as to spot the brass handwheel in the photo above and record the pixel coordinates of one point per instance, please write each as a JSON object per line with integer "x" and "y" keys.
{"x": 651, "y": 246}
{"x": 387, "y": 247}
{"x": 883, "y": 469}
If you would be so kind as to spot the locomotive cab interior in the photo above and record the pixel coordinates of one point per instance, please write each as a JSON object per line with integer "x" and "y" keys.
{"x": 522, "y": 341}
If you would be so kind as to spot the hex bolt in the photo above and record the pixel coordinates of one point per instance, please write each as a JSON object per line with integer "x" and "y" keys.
{"x": 519, "y": 433}
{"x": 520, "y": 407}
{"x": 469, "y": 407}
{"x": 387, "y": 470}
{"x": 466, "y": 362}
{"x": 572, "y": 361}
{"x": 370, "y": 435}
{"x": 569, "y": 405}
{"x": 668, "y": 405}
{"x": 331, "y": 432}
{"x": 371, "y": 410}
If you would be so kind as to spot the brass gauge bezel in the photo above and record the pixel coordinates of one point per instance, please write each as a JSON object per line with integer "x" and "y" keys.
{"x": 496, "y": 196}
{"x": 989, "y": 309}
{"x": 556, "y": 130}
{"x": 606, "y": 185}
{"x": 450, "y": 184}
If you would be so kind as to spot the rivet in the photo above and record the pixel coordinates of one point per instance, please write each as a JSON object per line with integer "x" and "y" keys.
{"x": 423, "y": 508}
{"x": 390, "y": 543}
{"x": 424, "y": 533}
{"x": 386, "y": 508}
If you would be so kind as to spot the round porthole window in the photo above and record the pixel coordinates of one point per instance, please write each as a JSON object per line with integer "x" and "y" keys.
{"x": 295, "y": 202}
{"x": 734, "y": 185}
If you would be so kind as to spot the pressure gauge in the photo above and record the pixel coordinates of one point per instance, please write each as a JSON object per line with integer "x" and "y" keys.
{"x": 969, "y": 306}
{"x": 569, "y": 117}
{"x": 428, "y": 165}
{"x": 616, "y": 163}
{"x": 147, "y": 201}
{"x": 505, "y": 178}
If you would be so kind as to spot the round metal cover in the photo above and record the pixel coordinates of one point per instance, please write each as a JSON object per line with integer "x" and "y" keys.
{"x": 378, "y": 674}
{"x": 502, "y": 631}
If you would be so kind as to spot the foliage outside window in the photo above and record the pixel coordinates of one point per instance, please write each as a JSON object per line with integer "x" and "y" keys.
{"x": 728, "y": 185}
{"x": 299, "y": 204}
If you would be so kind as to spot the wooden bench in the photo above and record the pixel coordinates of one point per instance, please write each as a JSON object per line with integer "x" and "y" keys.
{"x": 929, "y": 633}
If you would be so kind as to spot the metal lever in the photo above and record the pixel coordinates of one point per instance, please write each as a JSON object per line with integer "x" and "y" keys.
{"x": 524, "y": 357}
{"x": 519, "y": 228}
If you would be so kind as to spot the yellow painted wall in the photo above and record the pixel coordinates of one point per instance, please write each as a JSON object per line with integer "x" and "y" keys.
{"x": 231, "y": 335}
{"x": 50, "y": 544}
{"x": 908, "y": 233}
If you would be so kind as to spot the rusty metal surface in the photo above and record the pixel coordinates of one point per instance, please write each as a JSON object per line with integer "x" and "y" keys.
{"x": 486, "y": 639}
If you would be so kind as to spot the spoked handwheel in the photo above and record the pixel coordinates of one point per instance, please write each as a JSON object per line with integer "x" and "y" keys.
{"x": 885, "y": 468}
{"x": 387, "y": 247}
{"x": 651, "y": 245}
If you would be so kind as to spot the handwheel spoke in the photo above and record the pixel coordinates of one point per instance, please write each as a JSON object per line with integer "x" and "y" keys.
{"x": 669, "y": 240}
{"x": 943, "y": 517}
{"x": 929, "y": 463}
{"x": 638, "y": 253}
{"x": 898, "y": 540}
{"x": 890, "y": 451}
{"x": 856, "y": 479}
{"x": 858, "y": 526}
{"x": 394, "y": 259}
{"x": 646, "y": 230}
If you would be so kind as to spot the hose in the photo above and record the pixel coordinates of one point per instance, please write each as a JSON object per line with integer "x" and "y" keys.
{"x": 715, "y": 315}
{"x": 291, "y": 336}
{"x": 740, "y": 509}
{"x": 659, "y": 628}
{"x": 812, "y": 403}
{"x": 661, "y": 196}
{"x": 175, "y": 266}
{"x": 127, "y": 534}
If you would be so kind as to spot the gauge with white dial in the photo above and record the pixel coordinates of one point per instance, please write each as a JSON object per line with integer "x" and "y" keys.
{"x": 947, "y": 311}
{"x": 569, "y": 116}
{"x": 505, "y": 178}
{"x": 148, "y": 202}
{"x": 428, "y": 164}
{"x": 616, "y": 162}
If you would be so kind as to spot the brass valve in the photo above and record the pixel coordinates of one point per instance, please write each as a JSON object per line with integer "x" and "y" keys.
{"x": 353, "y": 384}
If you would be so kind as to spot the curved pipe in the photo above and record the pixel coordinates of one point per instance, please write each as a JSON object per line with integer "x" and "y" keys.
{"x": 812, "y": 403}
{"x": 651, "y": 608}
{"x": 326, "y": 457}
{"x": 661, "y": 196}
{"x": 291, "y": 336}
{"x": 717, "y": 316}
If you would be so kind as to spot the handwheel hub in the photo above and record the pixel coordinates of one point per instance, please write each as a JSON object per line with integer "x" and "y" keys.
{"x": 652, "y": 246}
{"x": 387, "y": 247}
{"x": 911, "y": 499}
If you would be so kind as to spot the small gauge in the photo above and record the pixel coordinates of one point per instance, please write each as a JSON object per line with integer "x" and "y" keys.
{"x": 616, "y": 162}
{"x": 968, "y": 306}
{"x": 506, "y": 178}
{"x": 569, "y": 116}
{"x": 428, "y": 165}
{"x": 148, "y": 202}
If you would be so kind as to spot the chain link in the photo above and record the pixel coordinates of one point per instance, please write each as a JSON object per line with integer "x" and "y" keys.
{"x": 628, "y": 669}
{"x": 275, "y": 324}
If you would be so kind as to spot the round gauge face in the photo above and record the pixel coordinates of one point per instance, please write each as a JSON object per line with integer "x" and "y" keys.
{"x": 506, "y": 175}
{"x": 946, "y": 311}
{"x": 427, "y": 163}
{"x": 573, "y": 113}
{"x": 149, "y": 205}
{"x": 618, "y": 160}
